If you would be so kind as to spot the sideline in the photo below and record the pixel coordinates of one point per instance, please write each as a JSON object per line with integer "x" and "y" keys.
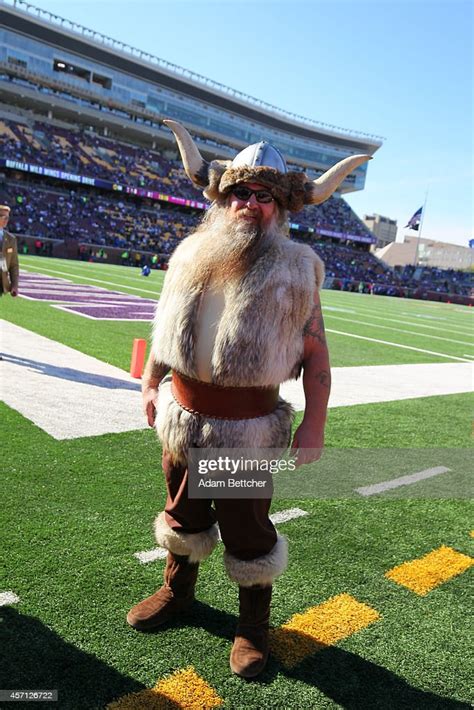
{"x": 397, "y": 345}
{"x": 78, "y": 395}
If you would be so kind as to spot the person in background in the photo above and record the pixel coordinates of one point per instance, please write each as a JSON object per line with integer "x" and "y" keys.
{"x": 9, "y": 255}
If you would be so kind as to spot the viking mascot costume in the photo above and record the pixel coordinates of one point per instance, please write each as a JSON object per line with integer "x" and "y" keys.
{"x": 230, "y": 327}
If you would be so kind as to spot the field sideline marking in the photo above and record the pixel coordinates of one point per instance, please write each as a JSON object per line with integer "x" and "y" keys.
{"x": 428, "y": 572}
{"x": 401, "y": 481}
{"x": 73, "y": 264}
{"x": 67, "y": 308}
{"x": 100, "y": 281}
{"x": 282, "y": 516}
{"x": 397, "y": 345}
{"x": 80, "y": 276}
{"x": 399, "y": 330}
{"x": 7, "y": 598}
{"x": 78, "y": 395}
{"x": 376, "y": 312}
{"x": 410, "y": 303}
{"x": 157, "y": 294}
{"x": 442, "y": 327}
{"x": 182, "y": 689}
{"x": 320, "y": 626}
{"x": 424, "y": 315}
{"x": 147, "y": 556}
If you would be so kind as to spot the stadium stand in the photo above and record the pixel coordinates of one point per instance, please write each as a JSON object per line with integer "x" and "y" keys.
{"x": 83, "y": 152}
{"x": 90, "y": 171}
{"x": 90, "y": 217}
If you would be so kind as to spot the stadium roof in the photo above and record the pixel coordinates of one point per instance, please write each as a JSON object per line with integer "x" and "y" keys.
{"x": 40, "y": 24}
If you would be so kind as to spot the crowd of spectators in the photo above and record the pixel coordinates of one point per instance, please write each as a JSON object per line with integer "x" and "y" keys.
{"x": 85, "y": 153}
{"x": 89, "y": 216}
{"x": 97, "y": 218}
{"x": 350, "y": 268}
{"x": 50, "y": 209}
{"x": 334, "y": 215}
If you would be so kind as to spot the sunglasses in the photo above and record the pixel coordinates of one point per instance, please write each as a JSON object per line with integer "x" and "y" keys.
{"x": 245, "y": 193}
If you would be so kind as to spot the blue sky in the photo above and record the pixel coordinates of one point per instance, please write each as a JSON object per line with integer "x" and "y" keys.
{"x": 401, "y": 69}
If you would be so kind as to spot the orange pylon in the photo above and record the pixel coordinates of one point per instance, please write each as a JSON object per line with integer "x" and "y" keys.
{"x": 138, "y": 357}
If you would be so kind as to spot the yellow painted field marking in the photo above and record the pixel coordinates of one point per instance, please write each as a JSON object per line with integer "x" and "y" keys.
{"x": 319, "y": 627}
{"x": 184, "y": 689}
{"x": 428, "y": 572}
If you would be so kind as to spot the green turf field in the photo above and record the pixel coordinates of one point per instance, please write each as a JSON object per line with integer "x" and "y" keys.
{"x": 74, "y": 513}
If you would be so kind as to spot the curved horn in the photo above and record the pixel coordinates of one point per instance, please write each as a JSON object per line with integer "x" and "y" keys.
{"x": 194, "y": 164}
{"x": 322, "y": 188}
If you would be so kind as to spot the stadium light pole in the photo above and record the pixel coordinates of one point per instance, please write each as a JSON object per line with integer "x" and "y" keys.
{"x": 415, "y": 263}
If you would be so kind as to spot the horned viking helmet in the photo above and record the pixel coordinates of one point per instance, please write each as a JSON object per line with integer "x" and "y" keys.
{"x": 262, "y": 163}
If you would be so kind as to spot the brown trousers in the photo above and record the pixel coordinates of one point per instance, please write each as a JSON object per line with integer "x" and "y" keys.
{"x": 246, "y": 530}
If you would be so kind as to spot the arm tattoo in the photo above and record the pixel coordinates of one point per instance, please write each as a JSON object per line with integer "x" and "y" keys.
{"x": 324, "y": 378}
{"x": 315, "y": 325}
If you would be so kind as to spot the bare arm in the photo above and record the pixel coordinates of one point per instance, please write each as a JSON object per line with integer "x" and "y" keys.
{"x": 152, "y": 376}
{"x": 317, "y": 387}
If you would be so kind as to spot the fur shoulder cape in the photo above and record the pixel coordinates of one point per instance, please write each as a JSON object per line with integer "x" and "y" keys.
{"x": 259, "y": 342}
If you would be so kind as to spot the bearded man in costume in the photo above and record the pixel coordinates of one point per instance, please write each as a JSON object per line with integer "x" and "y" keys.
{"x": 238, "y": 315}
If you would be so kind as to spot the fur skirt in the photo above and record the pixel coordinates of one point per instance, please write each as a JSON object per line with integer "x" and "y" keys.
{"x": 180, "y": 430}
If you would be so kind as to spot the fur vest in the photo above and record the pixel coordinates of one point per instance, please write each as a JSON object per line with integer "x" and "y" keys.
{"x": 259, "y": 342}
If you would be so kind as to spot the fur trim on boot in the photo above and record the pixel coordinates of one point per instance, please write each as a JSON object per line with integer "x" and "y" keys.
{"x": 197, "y": 546}
{"x": 262, "y": 570}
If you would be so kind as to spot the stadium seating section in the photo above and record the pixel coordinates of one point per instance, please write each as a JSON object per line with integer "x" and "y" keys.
{"x": 47, "y": 208}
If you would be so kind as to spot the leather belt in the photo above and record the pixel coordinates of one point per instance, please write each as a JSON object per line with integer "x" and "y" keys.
{"x": 218, "y": 402}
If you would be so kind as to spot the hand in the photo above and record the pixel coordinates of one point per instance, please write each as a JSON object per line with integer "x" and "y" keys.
{"x": 149, "y": 399}
{"x": 308, "y": 443}
{"x": 14, "y": 292}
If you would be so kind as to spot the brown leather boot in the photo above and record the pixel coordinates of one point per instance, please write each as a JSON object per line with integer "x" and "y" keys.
{"x": 175, "y": 596}
{"x": 250, "y": 650}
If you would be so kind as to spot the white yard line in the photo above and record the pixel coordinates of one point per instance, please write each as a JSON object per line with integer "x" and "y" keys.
{"x": 385, "y": 318}
{"x": 396, "y": 345}
{"x": 75, "y": 395}
{"x": 282, "y": 516}
{"x": 90, "y": 298}
{"x": 147, "y": 556}
{"x": 340, "y": 310}
{"x": 7, "y": 598}
{"x": 399, "y": 330}
{"x": 112, "y": 267}
{"x": 158, "y": 553}
{"x": 401, "y": 481}
{"x": 428, "y": 316}
{"x": 99, "y": 281}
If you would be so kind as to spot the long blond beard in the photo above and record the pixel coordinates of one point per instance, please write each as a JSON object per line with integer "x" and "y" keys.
{"x": 229, "y": 246}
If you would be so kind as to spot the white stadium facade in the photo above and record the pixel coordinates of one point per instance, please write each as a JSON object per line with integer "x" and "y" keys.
{"x": 56, "y": 70}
